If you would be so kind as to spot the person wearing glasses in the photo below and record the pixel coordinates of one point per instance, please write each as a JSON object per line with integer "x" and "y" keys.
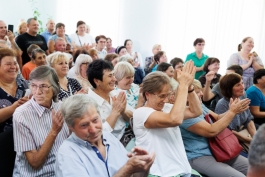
{"x": 80, "y": 69}
{"x": 177, "y": 64}
{"x": 100, "y": 46}
{"x": 198, "y": 57}
{"x": 39, "y": 128}
{"x": 156, "y": 125}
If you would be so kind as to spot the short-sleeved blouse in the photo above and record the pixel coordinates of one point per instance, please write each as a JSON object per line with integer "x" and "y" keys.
{"x": 72, "y": 85}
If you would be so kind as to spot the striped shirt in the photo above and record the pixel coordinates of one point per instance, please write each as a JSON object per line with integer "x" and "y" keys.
{"x": 32, "y": 123}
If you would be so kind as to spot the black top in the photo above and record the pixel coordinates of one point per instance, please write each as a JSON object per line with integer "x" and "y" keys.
{"x": 7, "y": 100}
{"x": 72, "y": 85}
{"x": 25, "y": 40}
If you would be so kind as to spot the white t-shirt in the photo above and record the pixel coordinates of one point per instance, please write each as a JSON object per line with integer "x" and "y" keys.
{"x": 171, "y": 159}
{"x": 81, "y": 40}
{"x": 102, "y": 54}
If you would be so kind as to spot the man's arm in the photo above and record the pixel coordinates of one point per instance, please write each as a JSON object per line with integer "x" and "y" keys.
{"x": 37, "y": 158}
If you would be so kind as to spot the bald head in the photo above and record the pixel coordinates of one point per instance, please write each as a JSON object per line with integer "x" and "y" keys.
{"x": 50, "y": 25}
{"x": 3, "y": 29}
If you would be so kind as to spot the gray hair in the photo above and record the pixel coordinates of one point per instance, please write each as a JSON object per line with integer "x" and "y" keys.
{"x": 79, "y": 60}
{"x": 75, "y": 107}
{"x": 123, "y": 69}
{"x": 47, "y": 73}
{"x": 35, "y": 51}
{"x": 256, "y": 155}
{"x": 154, "y": 82}
{"x": 59, "y": 39}
{"x": 125, "y": 58}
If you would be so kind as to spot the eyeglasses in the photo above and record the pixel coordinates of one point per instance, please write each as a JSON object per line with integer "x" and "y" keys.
{"x": 42, "y": 87}
{"x": 164, "y": 96}
{"x": 201, "y": 44}
{"x": 85, "y": 63}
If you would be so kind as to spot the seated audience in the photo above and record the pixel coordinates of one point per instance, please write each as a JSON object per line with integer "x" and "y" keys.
{"x": 90, "y": 151}
{"x": 149, "y": 61}
{"x": 100, "y": 46}
{"x": 121, "y": 50}
{"x": 156, "y": 125}
{"x": 39, "y": 128}
{"x": 250, "y": 62}
{"x": 137, "y": 57}
{"x": 93, "y": 54}
{"x": 109, "y": 47}
{"x": 49, "y": 30}
{"x": 60, "y": 32}
{"x": 256, "y": 94}
{"x": 80, "y": 68}
{"x": 114, "y": 110}
{"x": 198, "y": 57}
{"x": 167, "y": 69}
{"x": 256, "y": 154}
{"x": 138, "y": 75}
{"x": 124, "y": 75}
{"x": 232, "y": 86}
{"x": 29, "y": 66}
{"x": 215, "y": 92}
{"x": 159, "y": 58}
{"x": 112, "y": 57}
{"x": 11, "y": 88}
{"x": 68, "y": 86}
{"x": 177, "y": 64}
{"x": 80, "y": 39}
{"x": 60, "y": 46}
{"x": 195, "y": 133}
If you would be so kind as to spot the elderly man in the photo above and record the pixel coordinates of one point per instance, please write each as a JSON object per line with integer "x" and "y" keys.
{"x": 256, "y": 154}
{"x": 60, "y": 45}
{"x": 7, "y": 39}
{"x": 91, "y": 152}
{"x": 100, "y": 46}
{"x": 49, "y": 30}
{"x": 31, "y": 37}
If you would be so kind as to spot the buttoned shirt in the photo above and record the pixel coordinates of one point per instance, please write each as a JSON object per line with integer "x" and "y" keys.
{"x": 77, "y": 157}
{"x": 105, "y": 109}
{"x": 46, "y": 34}
{"x": 32, "y": 124}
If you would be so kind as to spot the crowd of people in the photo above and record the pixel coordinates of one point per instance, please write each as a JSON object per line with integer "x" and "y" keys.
{"x": 74, "y": 105}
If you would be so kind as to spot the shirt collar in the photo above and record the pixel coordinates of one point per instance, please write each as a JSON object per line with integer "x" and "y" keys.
{"x": 40, "y": 109}
{"x": 86, "y": 143}
{"x": 194, "y": 54}
{"x": 99, "y": 100}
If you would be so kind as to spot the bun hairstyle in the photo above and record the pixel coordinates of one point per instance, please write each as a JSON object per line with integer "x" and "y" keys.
{"x": 239, "y": 47}
{"x": 80, "y": 22}
{"x": 118, "y": 49}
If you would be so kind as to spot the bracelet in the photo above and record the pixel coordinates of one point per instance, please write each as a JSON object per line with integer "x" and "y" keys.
{"x": 189, "y": 91}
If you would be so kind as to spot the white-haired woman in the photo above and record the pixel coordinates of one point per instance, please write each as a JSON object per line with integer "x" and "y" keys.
{"x": 80, "y": 68}
{"x": 68, "y": 86}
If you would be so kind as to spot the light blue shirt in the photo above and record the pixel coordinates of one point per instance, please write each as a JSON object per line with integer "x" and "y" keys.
{"x": 46, "y": 34}
{"x": 154, "y": 68}
{"x": 77, "y": 157}
{"x": 195, "y": 145}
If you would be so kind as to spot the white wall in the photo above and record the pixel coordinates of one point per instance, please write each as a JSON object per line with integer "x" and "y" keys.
{"x": 173, "y": 23}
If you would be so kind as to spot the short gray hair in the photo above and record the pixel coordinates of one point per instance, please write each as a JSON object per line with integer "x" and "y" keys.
{"x": 125, "y": 58}
{"x": 79, "y": 60}
{"x": 59, "y": 39}
{"x": 47, "y": 73}
{"x": 256, "y": 155}
{"x": 123, "y": 69}
{"x": 75, "y": 107}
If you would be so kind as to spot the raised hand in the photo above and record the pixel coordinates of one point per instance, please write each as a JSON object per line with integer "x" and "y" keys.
{"x": 186, "y": 76}
{"x": 210, "y": 75}
{"x": 57, "y": 121}
{"x": 22, "y": 100}
{"x": 119, "y": 103}
{"x": 237, "y": 106}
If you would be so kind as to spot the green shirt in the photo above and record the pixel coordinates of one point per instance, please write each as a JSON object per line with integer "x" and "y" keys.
{"x": 198, "y": 62}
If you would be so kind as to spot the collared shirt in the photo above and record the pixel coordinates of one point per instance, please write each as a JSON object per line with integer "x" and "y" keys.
{"x": 46, "y": 34}
{"x": 102, "y": 53}
{"x": 198, "y": 62}
{"x": 105, "y": 110}
{"x": 79, "y": 158}
{"x": 32, "y": 123}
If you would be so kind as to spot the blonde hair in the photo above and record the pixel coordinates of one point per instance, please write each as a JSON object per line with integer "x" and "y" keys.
{"x": 123, "y": 69}
{"x": 155, "y": 46}
{"x": 56, "y": 57}
{"x": 126, "y": 58}
{"x": 21, "y": 23}
{"x": 196, "y": 84}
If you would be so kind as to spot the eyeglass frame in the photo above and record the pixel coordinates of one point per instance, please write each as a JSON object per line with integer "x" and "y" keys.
{"x": 171, "y": 93}
{"x": 41, "y": 88}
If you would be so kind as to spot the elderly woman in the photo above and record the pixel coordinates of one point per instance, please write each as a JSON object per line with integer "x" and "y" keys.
{"x": 93, "y": 54}
{"x": 166, "y": 68}
{"x": 11, "y": 88}
{"x": 232, "y": 86}
{"x": 80, "y": 68}
{"x": 22, "y": 28}
{"x": 195, "y": 133}
{"x": 250, "y": 62}
{"x": 124, "y": 75}
{"x": 149, "y": 61}
{"x": 198, "y": 57}
{"x": 39, "y": 128}
{"x": 68, "y": 86}
{"x": 156, "y": 125}
{"x": 256, "y": 93}
{"x": 121, "y": 50}
{"x": 112, "y": 57}
{"x": 60, "y": 32}
{"x": 159, "y": 58}
{"x": 137, "y": 57}
{"x": 89, "y": 146}
{"x": 109, "y": 47}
